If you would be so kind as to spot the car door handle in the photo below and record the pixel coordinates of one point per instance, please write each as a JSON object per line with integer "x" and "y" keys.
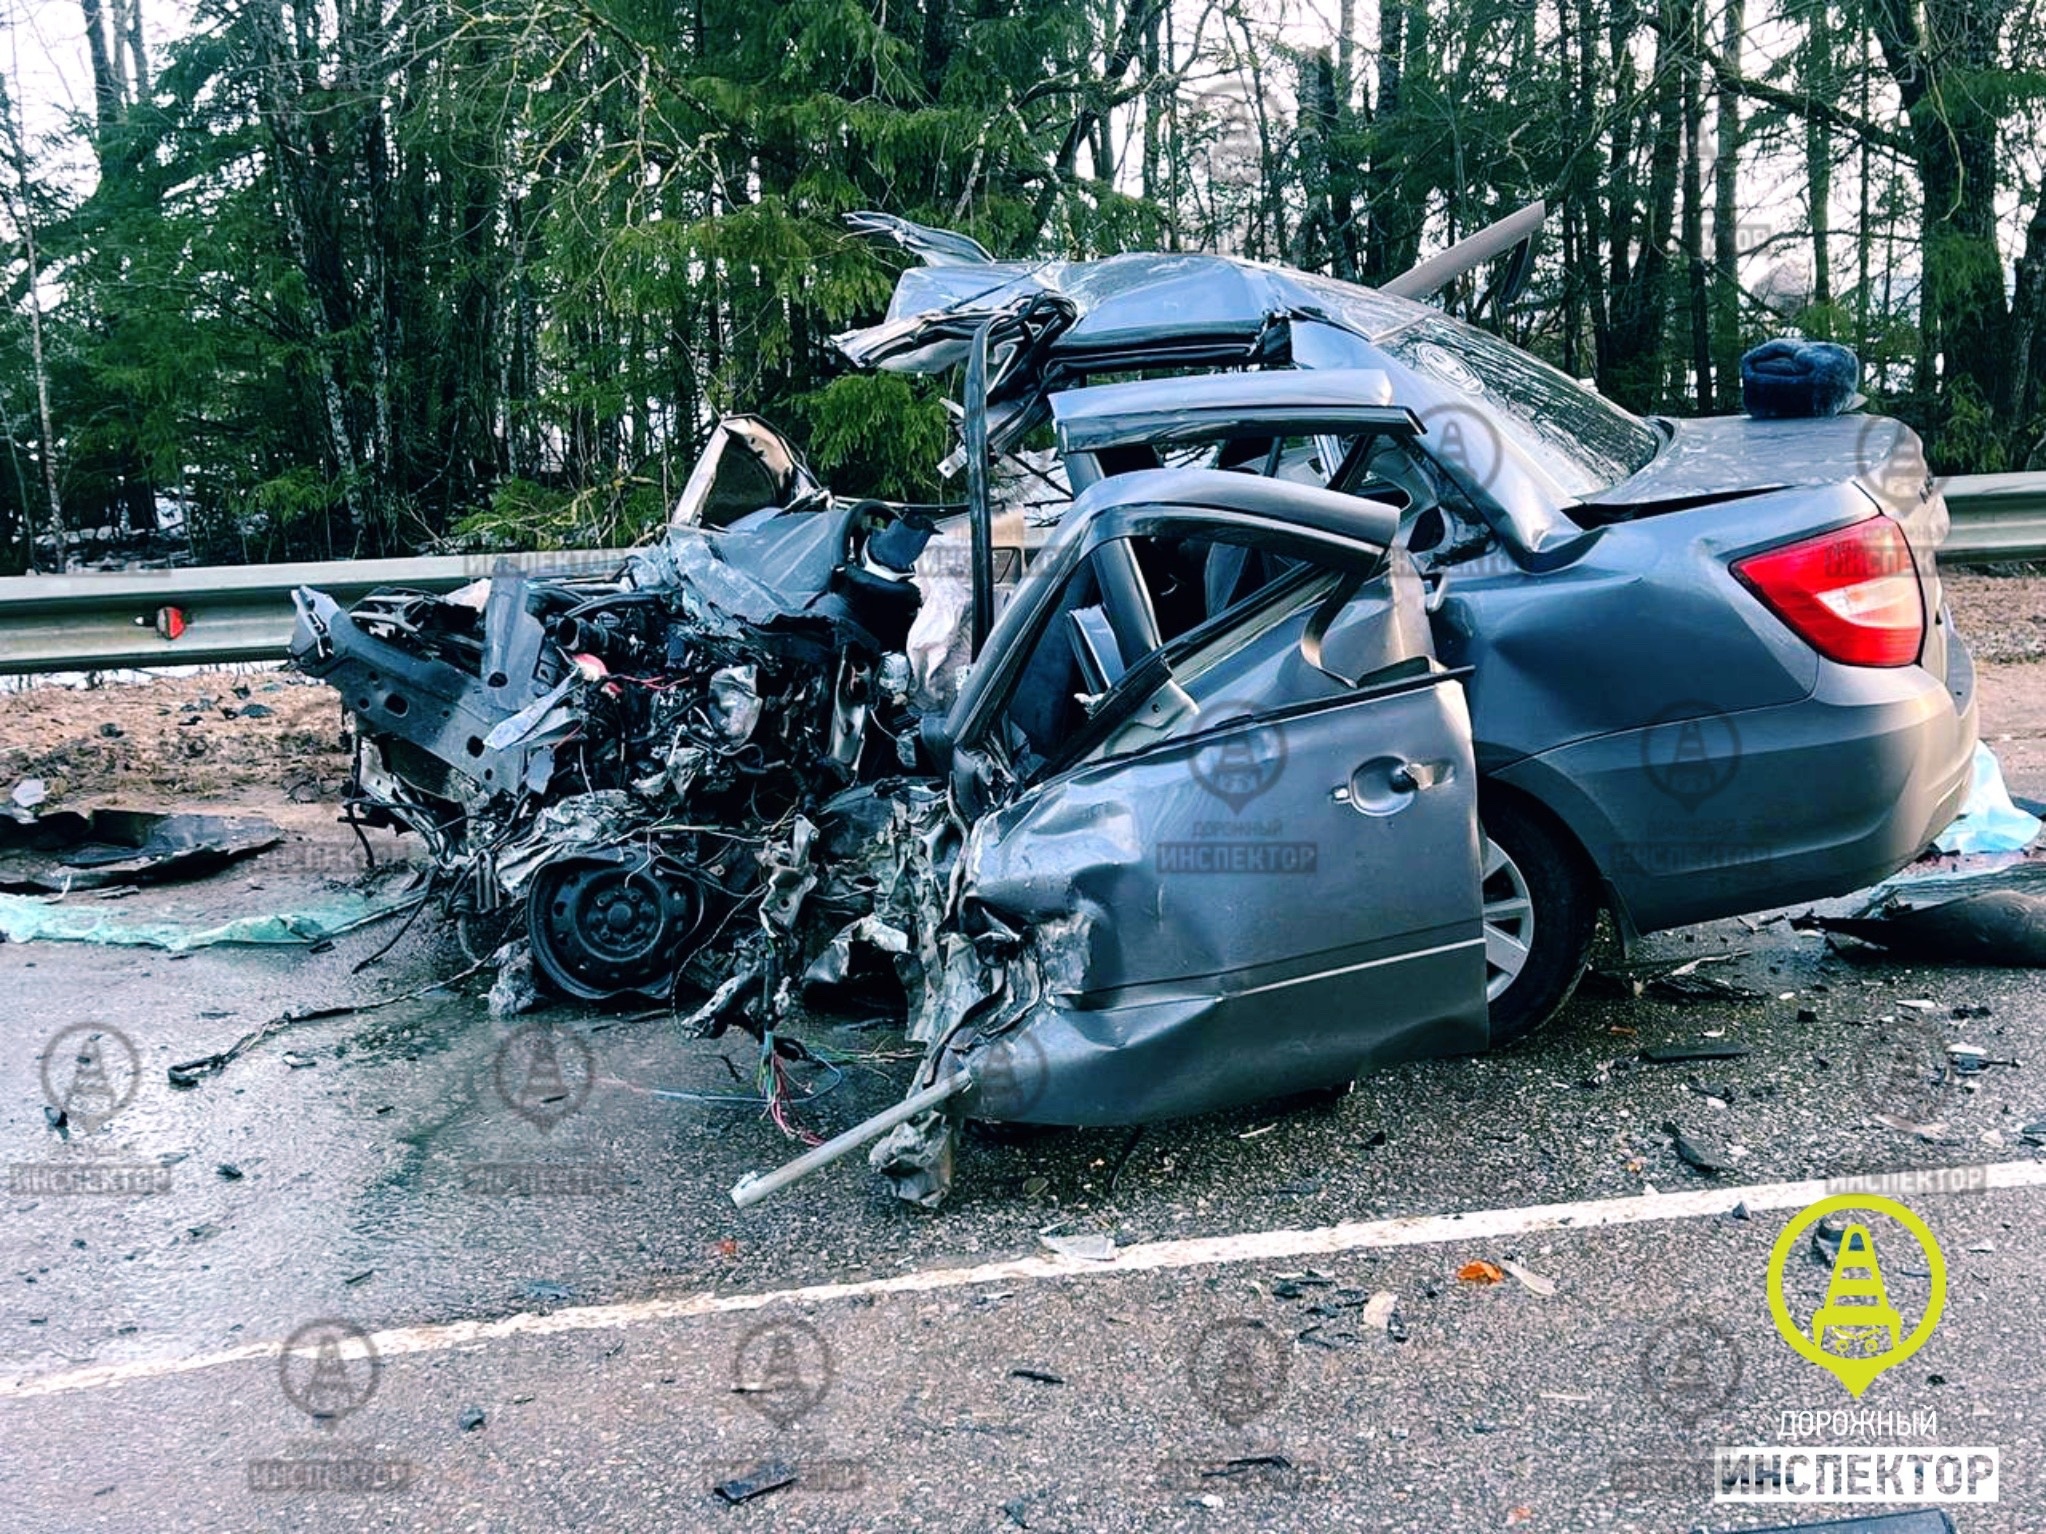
{"x": 1386, "y": 784}
{"x": 1412, "y": 777}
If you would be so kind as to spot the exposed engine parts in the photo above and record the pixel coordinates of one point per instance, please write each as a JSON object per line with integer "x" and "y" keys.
{"x": 624, "y": 774}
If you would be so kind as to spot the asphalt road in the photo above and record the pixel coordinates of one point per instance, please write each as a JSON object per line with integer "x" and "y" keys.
{"x": 630, "y": 1340}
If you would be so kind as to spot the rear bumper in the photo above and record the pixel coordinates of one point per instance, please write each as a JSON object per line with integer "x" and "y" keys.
{"x": 1820, "y": 797}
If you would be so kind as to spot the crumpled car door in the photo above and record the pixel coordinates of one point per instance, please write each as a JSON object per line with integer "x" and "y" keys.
{"x": 1268, "y": 899}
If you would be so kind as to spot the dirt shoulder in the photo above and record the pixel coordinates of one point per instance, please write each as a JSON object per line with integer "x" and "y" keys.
{"x": 177, "y": 740}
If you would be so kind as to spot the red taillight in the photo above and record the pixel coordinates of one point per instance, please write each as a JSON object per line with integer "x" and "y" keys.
{"x": 1852, "y": 594}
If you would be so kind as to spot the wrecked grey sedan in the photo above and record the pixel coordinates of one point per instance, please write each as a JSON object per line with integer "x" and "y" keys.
{"x": 1167, "y": 795}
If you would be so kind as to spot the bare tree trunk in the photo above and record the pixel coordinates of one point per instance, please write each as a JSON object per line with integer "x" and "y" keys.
{"x": 1694, "y": 218}
{"x": 289, "y": 159}
{"x": 1816, "y": 75}
{"x": 42, "y": 371}
{"x": 2028, "y": 322}
{"x": 130, "y": 28}
{"x": 106, "y": 83}
{"x": 1932, "y": 52}
{"x": 1726, "y": 292}
{"x": 25, "y": 221}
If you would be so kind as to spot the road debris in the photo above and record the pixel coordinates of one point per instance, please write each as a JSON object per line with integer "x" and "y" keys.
{"x": 1707, "y": 1153}
{"x": 1996, "y": 917}
{"x": 1532, "y": 1281}
{"x": 67, "y": 850}
{"x": 757, "y": 1482}
{"x": 1694, "y": 1049}
{"x": 1480, "y": 1272}
{"x": 42, "y": 918}
{"x": 1090, "y": 1246}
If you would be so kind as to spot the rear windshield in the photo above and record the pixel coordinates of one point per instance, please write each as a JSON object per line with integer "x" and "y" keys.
{"x": 1583, "y": 442}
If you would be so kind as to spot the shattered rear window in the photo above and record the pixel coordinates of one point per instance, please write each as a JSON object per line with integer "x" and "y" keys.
{"x": 1582, "y": 441}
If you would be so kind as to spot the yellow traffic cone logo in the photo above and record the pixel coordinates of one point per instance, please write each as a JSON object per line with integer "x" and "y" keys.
{"x": 1856, "y": 1332}
{"x": 1857, "y": 1313}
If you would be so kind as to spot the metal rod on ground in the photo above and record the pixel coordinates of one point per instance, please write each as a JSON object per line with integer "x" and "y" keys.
{"x": 754, "y": 1186}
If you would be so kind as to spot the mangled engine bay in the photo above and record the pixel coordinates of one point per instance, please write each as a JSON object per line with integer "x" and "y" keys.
{"x": 652, "y": 781}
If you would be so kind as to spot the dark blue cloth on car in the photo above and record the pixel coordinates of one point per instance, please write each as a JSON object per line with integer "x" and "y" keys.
{"x": 1782, "y": 379}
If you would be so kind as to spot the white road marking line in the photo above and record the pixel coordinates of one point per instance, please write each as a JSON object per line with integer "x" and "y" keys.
{"x": 1151, "y": 1257}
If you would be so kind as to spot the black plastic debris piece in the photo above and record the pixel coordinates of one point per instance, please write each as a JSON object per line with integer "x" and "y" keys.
{"x": 1694, "y": 1049}
{"x": 472, "y": 1418}
{"x": 1246, "y": 1466}
{"x": 227, "y": 1171}
{"x": 1705, "y": 1152}
{"x": 69, "y": 850}
{"x": 757, "y": 1482}
{"x": 58, "y": 1120}
{"x": 1037, "y": 1376}
{"x": 1292, "y": 1286}
{"x": 1993, "y": 918}
{"x": 1698, "y": 988}
{"x": 1319, "y": 1336}
{"x": 1929, "y": 1520}
{"x": 2034, "y": 1133}
{"x": 1826, "y": 1238}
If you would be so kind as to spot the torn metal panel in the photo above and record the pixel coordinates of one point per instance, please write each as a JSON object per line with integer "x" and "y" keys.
{"x": 65, "y": 849}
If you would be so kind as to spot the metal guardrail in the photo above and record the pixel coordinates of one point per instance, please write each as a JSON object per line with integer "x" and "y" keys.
{"x": 1996, "y": 516}
{"x": 210, "y": 615}
{"x": 94, "y": 622}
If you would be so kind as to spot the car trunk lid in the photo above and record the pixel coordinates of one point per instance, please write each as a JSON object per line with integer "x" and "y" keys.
{"x": 1719, "y": 458}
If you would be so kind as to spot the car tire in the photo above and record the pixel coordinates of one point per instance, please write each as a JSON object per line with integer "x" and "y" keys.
{"x": 1541, "y": 912}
